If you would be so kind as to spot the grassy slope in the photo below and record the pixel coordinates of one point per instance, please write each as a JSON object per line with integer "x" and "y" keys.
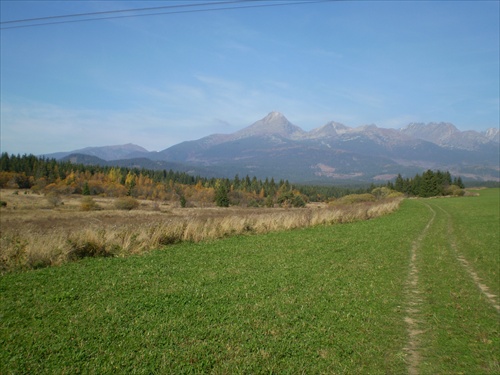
{"x": 316, "y": 300}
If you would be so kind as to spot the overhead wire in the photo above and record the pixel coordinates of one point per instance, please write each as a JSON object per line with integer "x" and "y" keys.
{"x": 261, "y": 5}
{"x": 126, "y": 10}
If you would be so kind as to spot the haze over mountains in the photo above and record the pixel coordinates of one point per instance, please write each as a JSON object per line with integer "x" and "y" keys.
{"x": 274, "y": 147}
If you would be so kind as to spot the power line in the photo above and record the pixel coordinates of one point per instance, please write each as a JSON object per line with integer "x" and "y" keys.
{"x": 289, "y": 2}
{"x": 125, "y": 10}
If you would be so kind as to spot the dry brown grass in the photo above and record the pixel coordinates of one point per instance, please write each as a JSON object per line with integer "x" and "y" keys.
{"x": 33, "y": 235}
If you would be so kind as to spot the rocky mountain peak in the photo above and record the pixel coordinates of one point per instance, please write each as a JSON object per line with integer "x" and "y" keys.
{"x": 331, "y": 129}
{"x": 274, "y": 124}
{"x": 275, "y": 117}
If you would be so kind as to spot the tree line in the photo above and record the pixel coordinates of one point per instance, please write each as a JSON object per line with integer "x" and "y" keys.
{"x": 46, "y": 175}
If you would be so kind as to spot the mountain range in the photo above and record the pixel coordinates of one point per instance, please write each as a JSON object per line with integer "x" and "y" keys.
{"x": 274, "y": 147}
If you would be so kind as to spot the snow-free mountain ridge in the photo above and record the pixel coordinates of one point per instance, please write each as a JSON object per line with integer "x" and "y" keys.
{"x": 274, "y": 147}
{"x": 273, "y": 124}
{"x": 105, "y": 152}
{"x": 447, "y": 135}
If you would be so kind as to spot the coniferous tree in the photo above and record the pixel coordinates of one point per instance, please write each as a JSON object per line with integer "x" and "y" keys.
{"x": 269, "y": 201}
{"x": 428, "y": 186}
{"x": 86, "y": 189}
{"x": 5, "y": 162}
{"x": 221, "y": 194}
{"x": 183, "y": 201}
{"x": 399, "y": 184}
{"x": 237, "y": 182}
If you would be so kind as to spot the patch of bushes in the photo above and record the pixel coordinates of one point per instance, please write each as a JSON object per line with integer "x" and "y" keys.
{"x": 3, "y": 204}
{"x": 253, "y": 203}
{"x": 298, "y": 201}
{"x": 183, "y": 201}
{"x": 87, "y": 249}
{"x": 454, "y": 190}
{"x": 269, "y": 201}
{"x": 385, "y": 192}
{"x": 54, "y": 199}
{"x": 88, "y": 204}
{"x": 169, "y": 239}
{"x": 126, "y": 203}
{"x": 291, "y": 199}
{"x": 358, "y": 198}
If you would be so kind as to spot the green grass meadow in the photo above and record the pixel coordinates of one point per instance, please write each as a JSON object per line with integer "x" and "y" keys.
{"x": 461, "y": 329}
{"x": 327, "y": 299}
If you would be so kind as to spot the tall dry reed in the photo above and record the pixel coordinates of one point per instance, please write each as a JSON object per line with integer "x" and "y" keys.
{"x": 28, "y": 248}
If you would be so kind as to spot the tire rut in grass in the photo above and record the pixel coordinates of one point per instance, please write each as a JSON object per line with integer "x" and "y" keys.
{"x": 412, "y": 319}
{"x": 485, "y": 290}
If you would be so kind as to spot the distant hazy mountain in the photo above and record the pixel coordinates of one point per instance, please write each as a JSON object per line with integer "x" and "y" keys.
{"x": 447, "y": 135}
{"x": 142, "y": 163}
{"x": 106, "y": 152}
{"x": 274, "y": 147}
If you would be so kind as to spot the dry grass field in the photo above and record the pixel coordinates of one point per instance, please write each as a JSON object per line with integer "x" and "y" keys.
{"x": 36, "y": 231}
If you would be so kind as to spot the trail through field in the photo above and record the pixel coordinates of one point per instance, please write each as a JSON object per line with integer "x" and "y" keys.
{"x": 414, "y": 301}
{"x": 451, "y": 312}
{"x": 492, "y": 298}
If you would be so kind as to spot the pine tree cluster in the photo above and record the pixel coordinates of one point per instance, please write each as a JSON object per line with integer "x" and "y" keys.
{"x": 429, "y": 184}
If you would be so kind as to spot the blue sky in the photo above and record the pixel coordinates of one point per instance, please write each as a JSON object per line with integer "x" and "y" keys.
{"x": 160, "y": 80}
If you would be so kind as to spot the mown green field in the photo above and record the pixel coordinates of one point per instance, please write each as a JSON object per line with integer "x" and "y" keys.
{"x": 328, "y": 299}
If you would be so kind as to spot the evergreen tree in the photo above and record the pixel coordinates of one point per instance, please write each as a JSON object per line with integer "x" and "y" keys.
{"x": 221, "y": 194}
{"x": 269, "y": 201}
{"x": 459, "y": 183}
{"x": 236, "y": 182}
{"x": 183, "y": 201}
{"x": 254, "y": 186}
{"x": 86, "y": 190}
{"x": 5, "y": 162}
{"x": 399, "y": 184}
{"x": 429, "y": 186}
